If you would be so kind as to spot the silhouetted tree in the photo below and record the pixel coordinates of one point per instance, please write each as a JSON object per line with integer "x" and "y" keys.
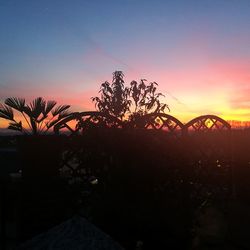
{"x": 40, "y": 115}
{"x": 130, "y": 102}
{"x": 114, "y": 99}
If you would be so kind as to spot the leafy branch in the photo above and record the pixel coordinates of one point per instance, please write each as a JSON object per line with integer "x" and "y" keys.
{"x": 138, "y": 99}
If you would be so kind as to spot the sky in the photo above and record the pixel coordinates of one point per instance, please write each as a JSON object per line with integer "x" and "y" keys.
{"x": 197, "y": 51}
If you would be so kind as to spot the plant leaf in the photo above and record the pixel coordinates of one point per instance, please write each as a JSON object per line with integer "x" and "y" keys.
{"x": 59, "y": 109}
{"x": 49, "y": 106}
{"x": 17, "y": 126}
{"x": 6, "y": 112}
{"x": 37, "y": 107}
{"x": 16, "y": 103}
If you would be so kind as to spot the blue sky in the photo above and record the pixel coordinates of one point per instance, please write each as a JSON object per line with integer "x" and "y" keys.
{"x": 196, "y": 50}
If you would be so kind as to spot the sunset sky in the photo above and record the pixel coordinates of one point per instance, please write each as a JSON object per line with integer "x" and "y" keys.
{"x": 197, "y": 51}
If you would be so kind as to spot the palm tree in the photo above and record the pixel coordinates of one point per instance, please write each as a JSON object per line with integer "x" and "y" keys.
{"x": 39, "y": 116}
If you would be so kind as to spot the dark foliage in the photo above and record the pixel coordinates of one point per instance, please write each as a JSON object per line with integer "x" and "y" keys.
{"x": 137, "y": 185}
{"x": 39, "y": 116}
{"x": 129, "y": 103}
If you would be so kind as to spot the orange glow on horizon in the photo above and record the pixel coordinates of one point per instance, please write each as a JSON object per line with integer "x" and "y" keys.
{"x": 217, "y": 87}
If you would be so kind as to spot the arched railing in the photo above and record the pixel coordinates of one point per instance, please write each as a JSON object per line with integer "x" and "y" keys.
{"x": 206, "y": 166}
{"x": 163, "y": 122}
{"x": 77, "y": 123}
{"x": 207, "y": 123}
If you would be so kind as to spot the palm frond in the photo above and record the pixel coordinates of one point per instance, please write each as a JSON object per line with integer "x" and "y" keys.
{"x": 27, "y": 110}
{"x": 37, "y": 107}
{"x": 49, "y": 106}
{"x": 17, "y": 126}
{"x": 16, "y": 103}
{"x": 59, "y": 109}
{"x": 63, "y": 114}
{"x": 6, "y": 112}
{"x": 52, "y": 123}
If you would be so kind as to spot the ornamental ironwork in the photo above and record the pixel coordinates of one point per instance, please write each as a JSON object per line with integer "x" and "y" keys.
{"x": 77, "y": 123}
{"x": 207, "y": 123}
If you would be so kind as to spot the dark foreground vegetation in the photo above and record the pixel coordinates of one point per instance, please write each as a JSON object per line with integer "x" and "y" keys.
{"x": 135, "y": 172}
{"x": 144, "y": 188}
